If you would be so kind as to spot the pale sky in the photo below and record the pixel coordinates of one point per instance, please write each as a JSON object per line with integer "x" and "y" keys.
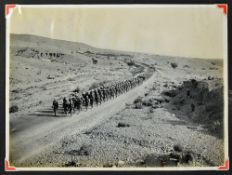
{"x": 189, "y": 31}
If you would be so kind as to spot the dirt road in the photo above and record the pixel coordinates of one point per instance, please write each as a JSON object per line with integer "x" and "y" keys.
{"x": 35, "y": 135}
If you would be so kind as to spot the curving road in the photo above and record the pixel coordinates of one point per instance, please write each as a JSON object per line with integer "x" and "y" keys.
{"x": 31, "y": 137}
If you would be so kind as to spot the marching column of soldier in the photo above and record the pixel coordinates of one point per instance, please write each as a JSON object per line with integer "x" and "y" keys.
{"x": 97, "y": 96}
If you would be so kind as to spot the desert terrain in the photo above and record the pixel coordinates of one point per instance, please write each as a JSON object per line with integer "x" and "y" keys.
{"x": 174, "y": 118}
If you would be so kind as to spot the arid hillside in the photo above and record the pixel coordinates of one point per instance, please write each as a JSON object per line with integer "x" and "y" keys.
{"x": 174, "y": 117}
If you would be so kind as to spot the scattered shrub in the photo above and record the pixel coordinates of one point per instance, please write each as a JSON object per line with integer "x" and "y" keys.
{"x": 147, "y": 102}
{"x": 71, "y": 79}
{"x": 151, "y": 110}
{"x": 165, "y": 85}
{"x": 187, "y": 157}
{"x": 44, "y": 88}
{"x": 138, "y": 103}
{"x": 210, "y": 78}
{"x": 213, "y": 63}
{"x": 14, "y": 108}
{"x": 138, "y": 100}
{"x": 94, "y": 61}
{"x": 171, "y": 93}
{"x": 120, "y": 124}
{"x": 138, "y": 106}
{"x": 213, "y": 68}
{"x": 177, "y": 148}
{"x": 16, "y": 90}
{"x": 70, "y": 163}
{"x": 77, "y": 90}
{"x": 174, "y": 65}
{"x": 131, "y": 63}
{"x": 84, "y": 150}
{"x": 39, "y": 72}
{"x": 50, "y": 77}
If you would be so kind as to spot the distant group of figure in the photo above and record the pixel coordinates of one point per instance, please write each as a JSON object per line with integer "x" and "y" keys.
{"x": 97, "y": 96}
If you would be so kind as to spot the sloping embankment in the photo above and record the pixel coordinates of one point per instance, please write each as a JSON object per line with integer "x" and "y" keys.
{"x": 198, "y": 103}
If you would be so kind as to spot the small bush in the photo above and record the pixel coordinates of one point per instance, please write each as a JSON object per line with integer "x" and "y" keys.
{"x": 16, "y": 90}
{"x": 213, "y": 68}
{"x": 210, "y": 78}
{"x": 147, "y": 102}
{"x": 138, "y": 100}
{"x": 70, "y": 163}
{"x": 84, "y": 150}
{"x": 171, "y": 93}
{"x": 71, "y": 79}
{"x": 213, "y": 63}
{"x": 77, "y": 90}
{"x": 39, "y": 72}
{"x": 165, "y": 85}
{"x": 187, "y": 157}
{"x": 138, "y": 103}
{"x": 138, "y": 106}
{"x": 151, "y": 110}
{"x": 174, "y": 65}
{"x": 44, "y": 88}
{"x": 14, "y": 108}
{"x": 94, "y": 61}
{"x": 120, "y": 124}
{"x": 131, "y": 63}
{"x": 178, "y": 148}
{"x": 50, "y": 77}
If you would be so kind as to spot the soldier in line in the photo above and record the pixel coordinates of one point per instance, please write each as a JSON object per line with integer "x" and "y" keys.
{"x": 116, "y": 90}
{"x": 128, "y": 85}
{"x": 100, "y": 95}
{"x": 69, "y": 106}
{"x": 83, "y": 99}
{"x": 65, "y": 105}
{"x": 91, "y": 98}
{"x": 107, "y": 92}
{"x": 86, "y": 101}
{"x": 74, "y": 103}
{"x": 104, "y": 93}
{"x": 55, "y": 106}
{"x": 96, "y": 97}
{"x": 77, "y": 103}
{"x": 112, "y": 91}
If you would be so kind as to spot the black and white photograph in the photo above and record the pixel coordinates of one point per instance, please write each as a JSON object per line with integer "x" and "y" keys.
{"x": 117, "y": 87}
